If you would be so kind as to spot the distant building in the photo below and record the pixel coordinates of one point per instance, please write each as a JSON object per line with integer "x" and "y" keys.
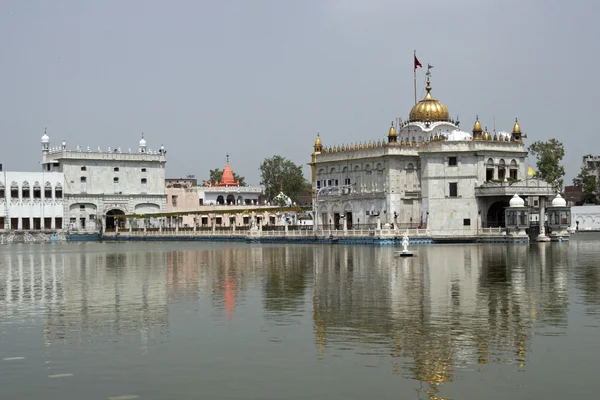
{"x": 99, "y": 185}
{"x": 592, "y": 163}
{"x": 31, "y": 200}
{"x": 573, "y": 195}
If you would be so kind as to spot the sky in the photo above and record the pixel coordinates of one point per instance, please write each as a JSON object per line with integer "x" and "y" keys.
{"x": 259, "y": 78}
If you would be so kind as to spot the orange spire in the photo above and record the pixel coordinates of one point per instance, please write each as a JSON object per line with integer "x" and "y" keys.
{"x": 227, "y": 177}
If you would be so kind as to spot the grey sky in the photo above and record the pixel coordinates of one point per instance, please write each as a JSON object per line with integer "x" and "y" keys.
{"x": 257, "y": 78}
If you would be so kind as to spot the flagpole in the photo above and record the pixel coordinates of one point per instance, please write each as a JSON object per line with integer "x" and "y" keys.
{"x": 415, "y": 75}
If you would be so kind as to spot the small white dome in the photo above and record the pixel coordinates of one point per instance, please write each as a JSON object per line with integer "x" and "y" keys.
{"x": 559, "y": 201}
{"x": 516, "y": 201}
{"x": 142, "y": 142}
{"x": 45, "y": 138}
{"x": 458, "y": 135}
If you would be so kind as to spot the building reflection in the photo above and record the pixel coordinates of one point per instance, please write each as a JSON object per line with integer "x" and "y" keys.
{"x": 450, "y": 306}
{"x": 87, "y": 295}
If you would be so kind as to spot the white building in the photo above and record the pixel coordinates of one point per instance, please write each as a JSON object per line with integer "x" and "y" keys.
{"x": 31, "y": 200}
{"x": 429, "y": 173}
{"x": 101, "y": 184}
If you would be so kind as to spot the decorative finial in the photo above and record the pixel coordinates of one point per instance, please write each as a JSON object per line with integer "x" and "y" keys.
{"x": 45, "y": 130}
{"x": 228, "y": 158}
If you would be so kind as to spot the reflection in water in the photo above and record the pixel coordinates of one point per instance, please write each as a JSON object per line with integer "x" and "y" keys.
{"x": 451, "y": 310}
{"x": 87, "y": 296}
{"x": 452, "y": 306}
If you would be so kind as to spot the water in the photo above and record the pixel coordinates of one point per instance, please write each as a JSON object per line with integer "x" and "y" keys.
{"x": 238, "y": 321}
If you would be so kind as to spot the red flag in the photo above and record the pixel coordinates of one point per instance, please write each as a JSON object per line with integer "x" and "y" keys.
{"x": 417, "y": 63}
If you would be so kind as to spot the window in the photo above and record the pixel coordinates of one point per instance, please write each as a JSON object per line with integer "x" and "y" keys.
{"x": 347, "y": 181}
{"x": 318, "y": 184}
{"x": 84, "y": 168}
{"x": 116, "y": 169}
{"x": 144, "y": 185}
{"x": 174, "y": 200}
{"x": 336, "y": 182}
{"x": 37, "y": 191}
{"x": 513, "y": 174}
{"x": 58, "y": 192}
{"x": 47, "y": 191}
{"x": 453, "y": 189}
{"x": 143, "y": 169}
{"x": 116, "y": 185}
{"x": 82, "y": 207}
{"x": 452, "y": 161}
{"x": 467, "y": 222}
{"x": 201, "y": 202}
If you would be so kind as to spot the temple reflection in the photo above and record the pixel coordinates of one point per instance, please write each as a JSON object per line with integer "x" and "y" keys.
{"x": 87, "y": 295}
{"x": 450, "y": 306}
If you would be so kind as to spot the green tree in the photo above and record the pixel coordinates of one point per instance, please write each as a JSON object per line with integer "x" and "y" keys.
{"x": 588, "y": 184}
{"x": 216, "y": 174}
{"x": 549, "y": 155}
{"x": 278, "y": 173}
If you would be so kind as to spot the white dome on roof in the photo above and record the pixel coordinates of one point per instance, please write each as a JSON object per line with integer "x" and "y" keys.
{"x": 456, "y": 135}
{"x": 142, "y": 142}
{"x": 45, "y": 138}
{"x": 559, "y": 201}
{"x": 516, "y": 201}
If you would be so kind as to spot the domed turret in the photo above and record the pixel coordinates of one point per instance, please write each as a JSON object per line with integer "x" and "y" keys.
{"x": 429, "y": 109}
{"x": 516, "y": 132}
{"x": 318, "y": 146}
{"x": 516, "y": 201}
{"x": 558, "y": 201}
{"x": 45, "y": 138}
{"x": 486, "y": 134}
{"x": 477, "y": 131}
{"x": 142, "y": 144}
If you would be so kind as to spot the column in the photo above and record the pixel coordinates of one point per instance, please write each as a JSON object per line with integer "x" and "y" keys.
{"x": 542, "y": 217}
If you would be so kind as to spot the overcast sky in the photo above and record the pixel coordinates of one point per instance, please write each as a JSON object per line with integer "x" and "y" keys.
{"x": 256, "y": 78}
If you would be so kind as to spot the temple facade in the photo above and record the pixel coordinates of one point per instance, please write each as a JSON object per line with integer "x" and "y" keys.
{"x": 101, "y": 184}
{"x": 426, "y": 173}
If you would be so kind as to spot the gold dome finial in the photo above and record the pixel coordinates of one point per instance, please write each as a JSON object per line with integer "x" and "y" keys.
{"x": 318, "y": 146}
{"x": 477, "y": 125}
{"x": 516, "y": 127}
{"x": 486, "y": 134}
{"x": 429, "y": 109}
{"x": 392, "y": 131}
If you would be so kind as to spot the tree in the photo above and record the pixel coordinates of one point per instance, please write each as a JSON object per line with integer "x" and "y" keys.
{"x": 589, "y": 186}
{"x": 216, "y": 174}
{"x": 549, "y": 155}
{"x": 280, "y": 174}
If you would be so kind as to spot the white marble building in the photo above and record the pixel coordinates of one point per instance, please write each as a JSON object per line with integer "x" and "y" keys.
{"x": 100, "y": 184}
{"x": 426, "y": 173}
{"x": 31, "y": 200}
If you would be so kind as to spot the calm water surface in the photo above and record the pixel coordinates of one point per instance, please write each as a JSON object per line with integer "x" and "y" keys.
{"x": 239, "y": 321}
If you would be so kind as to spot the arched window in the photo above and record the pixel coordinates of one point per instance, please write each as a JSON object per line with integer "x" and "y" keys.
{"x": 489, "y": 170}
{"x": 58, "y": 191}
{"x": 514, "y": 170}
{"x": 47, "y": 190}
{"x": 37, "y": 191}
{"x": 25, "y": 192}
{"x": 501, "y": 169}
{"x": 14, "y": 190}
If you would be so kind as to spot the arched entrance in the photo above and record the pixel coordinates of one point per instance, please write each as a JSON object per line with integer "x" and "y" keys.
{"x": 230, "y": 199}
{"x": 495, "y": 214}
{"x": 111, "y": 221}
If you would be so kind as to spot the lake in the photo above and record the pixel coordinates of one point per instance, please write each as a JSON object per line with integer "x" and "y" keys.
{"x": 246, "y": 321}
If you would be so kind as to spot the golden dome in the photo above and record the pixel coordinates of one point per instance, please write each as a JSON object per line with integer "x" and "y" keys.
{"x": 392, "y": 131}
{"x": 516, "y": 128}
{"x": 318, "y": 141}
{"x": 486, "y": 135}
{"x": 477, "y": 125}
{"x": 429, "y": 109}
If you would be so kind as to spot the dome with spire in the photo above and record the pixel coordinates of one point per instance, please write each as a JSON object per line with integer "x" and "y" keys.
{"x": 429, "y": 109}
{"x": 516, "y": 127}
{"x": 45, "y": 138}
{"x": 142, "y": 141}
{"x": 477, "y": 125}
{"x": 516, "y": 201}
{"x": 558, "y": 201}
{"x": 392, "y": 131}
